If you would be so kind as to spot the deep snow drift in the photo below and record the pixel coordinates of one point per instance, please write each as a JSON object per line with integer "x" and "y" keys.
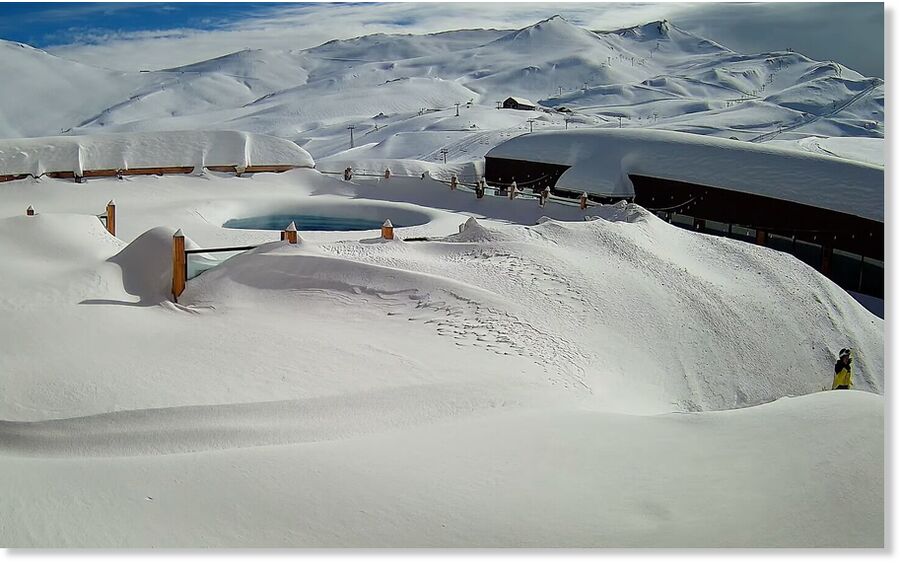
{"x": 499, "y": 374}
{"x": 513, "y": 380}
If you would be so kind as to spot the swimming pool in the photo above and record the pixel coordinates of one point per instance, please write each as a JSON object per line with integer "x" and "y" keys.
{"x": 305, "y": 222}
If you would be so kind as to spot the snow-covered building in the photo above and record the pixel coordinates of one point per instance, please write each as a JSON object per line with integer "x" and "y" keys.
{"x": 827, "y": 211}
{"x": 517, "y": 103}
{"x": 166, "y": 152}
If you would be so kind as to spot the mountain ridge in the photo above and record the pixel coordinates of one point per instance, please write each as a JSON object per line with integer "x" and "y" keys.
{"x": 649, "y": 75}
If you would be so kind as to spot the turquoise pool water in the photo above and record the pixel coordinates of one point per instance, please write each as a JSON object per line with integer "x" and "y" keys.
{"x": 305, "y": 223}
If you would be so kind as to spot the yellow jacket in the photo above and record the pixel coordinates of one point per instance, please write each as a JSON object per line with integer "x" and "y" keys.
{"x": 842, "y": 377}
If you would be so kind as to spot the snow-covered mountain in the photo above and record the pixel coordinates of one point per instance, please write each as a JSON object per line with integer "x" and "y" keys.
{"x": 400, "y": 91}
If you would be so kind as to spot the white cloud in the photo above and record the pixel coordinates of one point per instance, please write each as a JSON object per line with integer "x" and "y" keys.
{"x": 300, "y": 27}
{"x": 851, "y": 34}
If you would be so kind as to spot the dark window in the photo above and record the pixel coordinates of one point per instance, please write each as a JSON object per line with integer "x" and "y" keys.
{"x": 872, "y": 277}
{"x": 716, "y": 227}
{"x": 845, "y": 269}
{"x": 743, "y": 233}
{"x": 809, "y": 253}
{"x": 780, "y": 243}
{"x": 683, "y": 220}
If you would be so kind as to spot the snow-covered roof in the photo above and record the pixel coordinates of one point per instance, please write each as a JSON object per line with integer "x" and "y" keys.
{"x": 600, "y": 161}
{"x": 522, "y": 101}
{"x": 39, "y": 155}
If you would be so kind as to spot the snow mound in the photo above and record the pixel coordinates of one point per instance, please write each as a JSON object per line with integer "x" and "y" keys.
{"x": 529, "y": 293}
{"x": 781, "y": 460}
{"x": 122, "y": 151}
{"x": 471, "y": 232}
{"x": 146, "y": 265}
{"x": 54, "y": 258}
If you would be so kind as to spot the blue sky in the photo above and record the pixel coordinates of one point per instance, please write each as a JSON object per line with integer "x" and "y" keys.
{"x": 46, "y": 24}
{"x": 161, "y": 35}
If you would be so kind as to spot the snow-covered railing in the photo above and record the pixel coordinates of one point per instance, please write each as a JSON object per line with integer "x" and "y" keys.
{"x": 180, "y": 254}
{"x": 470, "y": 184}
{"x": 107, "y": 218}
{"x": 148, "y": 153}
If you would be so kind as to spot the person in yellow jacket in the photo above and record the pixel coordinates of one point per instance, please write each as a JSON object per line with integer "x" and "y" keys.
{"x": 842, "y": 375}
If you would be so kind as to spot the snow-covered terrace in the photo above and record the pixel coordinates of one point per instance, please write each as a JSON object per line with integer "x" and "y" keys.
{"x": 601, "y": 160}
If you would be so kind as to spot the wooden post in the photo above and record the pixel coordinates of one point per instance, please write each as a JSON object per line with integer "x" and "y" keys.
{"x": 582, "y": 201}
{"x": 179, "y": 265}
{"x": 453, "y": 182}
{"x": 111, "y": 217}
{"x": 761, "y": 237}
{"x": 290, "y": 234}
{"x": 387, "y": 230}
{"x": 29, "y": 211}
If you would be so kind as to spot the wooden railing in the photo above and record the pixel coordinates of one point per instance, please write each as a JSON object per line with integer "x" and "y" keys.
{"x": 475, "y": 185}
{"x": 146, "y": 171}
{"x": 107, "y": 218}
{"x": 180, "y": 254}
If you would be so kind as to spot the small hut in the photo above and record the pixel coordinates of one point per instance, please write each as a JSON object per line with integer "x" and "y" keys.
{"x": 516, "y": 103}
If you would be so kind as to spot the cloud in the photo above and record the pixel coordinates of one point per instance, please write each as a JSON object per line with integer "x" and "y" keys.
{"x": 851, "y": 35}
{"x": 299, "y": 27}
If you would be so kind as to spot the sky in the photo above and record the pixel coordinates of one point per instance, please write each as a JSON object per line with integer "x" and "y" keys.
{"x": 131, "y": 36}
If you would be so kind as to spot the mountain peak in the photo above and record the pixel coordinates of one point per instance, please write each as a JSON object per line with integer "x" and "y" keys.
{"x": 547, "y": 33}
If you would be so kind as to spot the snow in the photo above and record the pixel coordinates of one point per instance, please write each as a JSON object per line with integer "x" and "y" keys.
{"x": 451, "y": 484}
{"x": 147, "y": 150}
{"x": 500, "y": 374}
{"x": 869, "y": 150}
{"x": 652, "y": 76}
{"x": 602, "y": 159}
{"x": 313, "y": 386}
